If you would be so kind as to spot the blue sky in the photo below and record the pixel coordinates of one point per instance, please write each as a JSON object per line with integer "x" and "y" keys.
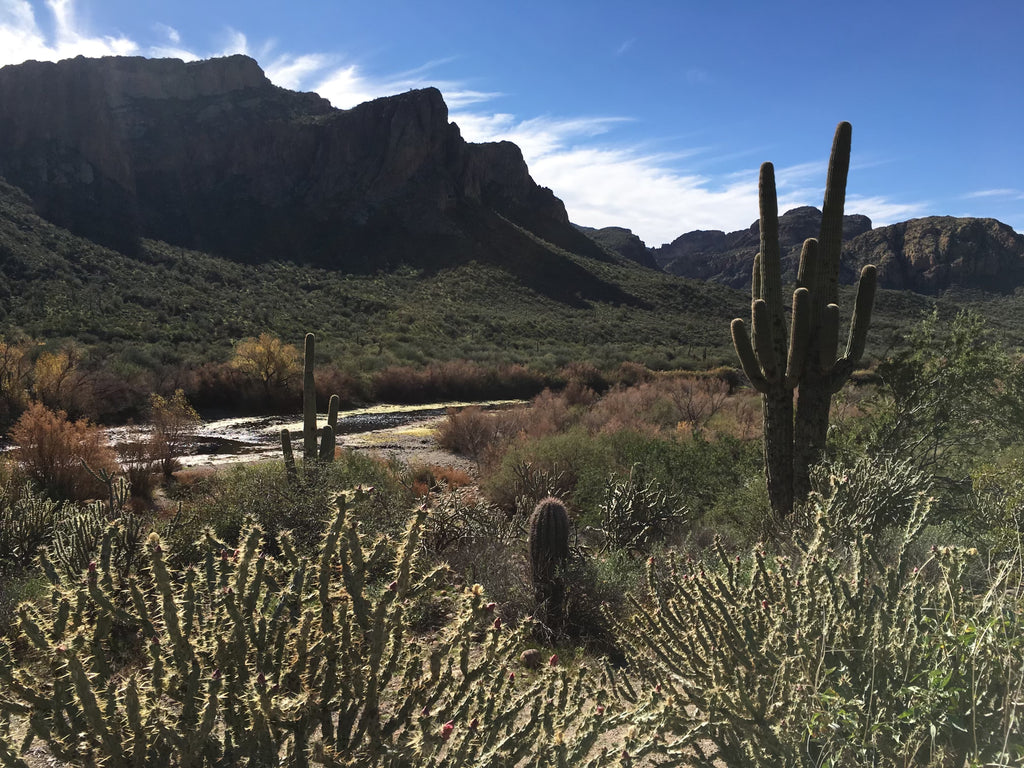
{"x": 653, "y": 115}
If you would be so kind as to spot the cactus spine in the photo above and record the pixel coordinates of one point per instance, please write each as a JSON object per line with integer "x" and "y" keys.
{"x": 808, "y": 361}
{"x": 549, "y": 550}
{"x": 317, "y": 445}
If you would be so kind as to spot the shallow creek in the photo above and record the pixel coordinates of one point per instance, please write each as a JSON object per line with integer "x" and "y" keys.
{"x": 388, "y": 429}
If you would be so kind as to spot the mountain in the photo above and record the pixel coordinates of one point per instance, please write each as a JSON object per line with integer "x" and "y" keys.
{"x": 210, "y": 155}
{"x": 623, "y": 242}
{"x": 728, "y": 257}
{"x": 933, "y": 254}
{"x": 926, "y": 255}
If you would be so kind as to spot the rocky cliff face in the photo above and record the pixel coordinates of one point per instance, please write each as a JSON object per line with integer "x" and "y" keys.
{"x": 211, "y": 155}
{"x": 939, "y": 252}
{"x": 728, "y": 257}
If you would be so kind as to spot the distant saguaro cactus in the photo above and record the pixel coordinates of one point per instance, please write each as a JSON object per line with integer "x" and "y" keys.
{"x": 310, "y": 434}
{"x": 549, "y": 550}
{"x": 777, "y": 362}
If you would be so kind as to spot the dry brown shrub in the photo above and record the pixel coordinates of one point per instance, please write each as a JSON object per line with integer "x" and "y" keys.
{"x": 434, "y": 478}
{"x": 57, "y": 453}
{"x": 470, "y": 432}
{"x": 548, "y": 414}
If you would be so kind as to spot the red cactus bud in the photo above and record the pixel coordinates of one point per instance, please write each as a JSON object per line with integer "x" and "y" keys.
{"x": 223, "y": 554}
{"x": 764, "y": 605}
{"x": 657, "y": 688}
{"x": 216, "y": 674}
{"x": 490, "y": 607}
{"x": 473, "y": 724}
{"x": 511, "y": 676}
{"x": 92, "y": 566}
{"x": 600, "y": 709}
{"x": 497, "y": 623}
{"x": 393, "y": 586}
{"x": 553, "y": 661}
{"x": 425, "y": 712}
{"x": 446, "y": 730}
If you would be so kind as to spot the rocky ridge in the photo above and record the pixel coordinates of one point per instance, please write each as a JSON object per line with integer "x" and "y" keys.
{"x": 927, "y": 255}
{"x": 211, "y": 155}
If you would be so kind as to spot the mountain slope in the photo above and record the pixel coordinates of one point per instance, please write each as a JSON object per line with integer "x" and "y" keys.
{"x": 210, "y": 155}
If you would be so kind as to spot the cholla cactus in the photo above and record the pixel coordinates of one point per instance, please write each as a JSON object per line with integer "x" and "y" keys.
{"x": 252, "y": 660}
{"x": 830, "y": 659}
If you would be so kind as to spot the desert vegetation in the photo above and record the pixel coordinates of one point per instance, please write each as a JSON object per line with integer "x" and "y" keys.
{"x": 649, "y": 566}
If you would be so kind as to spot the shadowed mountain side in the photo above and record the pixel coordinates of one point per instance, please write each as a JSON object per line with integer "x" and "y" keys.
{"x": 210, "y": 155}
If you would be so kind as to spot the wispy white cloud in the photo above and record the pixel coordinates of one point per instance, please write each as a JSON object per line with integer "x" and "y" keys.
{"x": 22, "y": 36}
{"x": 1010, "y": 194}
{"x": 625, "y": 46}
{"x": 883, "y": 211}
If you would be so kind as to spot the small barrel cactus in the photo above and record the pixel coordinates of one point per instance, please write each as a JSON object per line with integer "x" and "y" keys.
{"x": 549, "y": 550}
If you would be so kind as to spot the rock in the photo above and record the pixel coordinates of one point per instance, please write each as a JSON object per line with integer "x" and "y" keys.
{"x": 932, "y": 254}
{"x": 531, "y": 658}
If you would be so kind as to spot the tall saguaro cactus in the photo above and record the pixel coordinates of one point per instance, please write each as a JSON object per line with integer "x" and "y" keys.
{"x": 807, "y": 361}
{"x": 310, "y": 434}
{"x": 824, "y": 373}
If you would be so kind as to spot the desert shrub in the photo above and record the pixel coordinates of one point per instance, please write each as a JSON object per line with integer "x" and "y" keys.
{"x": 950, "y": 400}
{"x": 135, "y": 456}
{"x": 576, "y": 466}
{"x": 174, "y": 422}
{"x": 824, "y": 658}
{"x": 58, "y": 454}
{"x": 454, "y": 380}
{"x": 331, "y": 381}
{"x": 567, "y": 464}
{"x": 433, "y": 478}
{"x": 262, "y": 494}
{"x": 471, "y": 432}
